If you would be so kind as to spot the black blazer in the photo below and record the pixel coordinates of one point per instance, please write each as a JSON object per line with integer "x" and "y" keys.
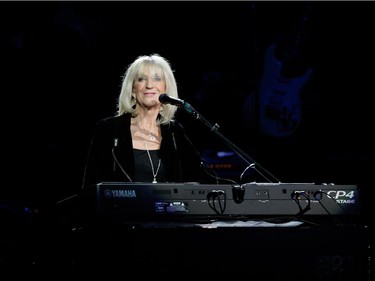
{"x": 112, "y": 138}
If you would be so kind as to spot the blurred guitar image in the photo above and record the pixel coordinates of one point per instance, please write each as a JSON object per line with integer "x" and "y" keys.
{"x": 279, "y": 92}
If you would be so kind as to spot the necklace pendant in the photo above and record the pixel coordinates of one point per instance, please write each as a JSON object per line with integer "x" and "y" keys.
{"x": 154, "y": 181}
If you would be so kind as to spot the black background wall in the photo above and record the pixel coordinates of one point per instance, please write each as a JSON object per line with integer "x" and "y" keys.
{"x": 63, "y": 63}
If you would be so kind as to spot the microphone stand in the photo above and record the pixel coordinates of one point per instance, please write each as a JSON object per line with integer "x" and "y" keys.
{"x": 215, "y": 129}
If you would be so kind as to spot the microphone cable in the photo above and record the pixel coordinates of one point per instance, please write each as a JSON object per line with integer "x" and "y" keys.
{"x": 296, "y": 196}
{"x": 318, "y": 196}
{"x": 219, "y": 197}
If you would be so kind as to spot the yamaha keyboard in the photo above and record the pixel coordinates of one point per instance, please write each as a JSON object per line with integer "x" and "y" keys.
{"x": 210, "y": 201}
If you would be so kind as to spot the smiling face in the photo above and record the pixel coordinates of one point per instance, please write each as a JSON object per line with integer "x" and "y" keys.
{"x": 148, "y": 85}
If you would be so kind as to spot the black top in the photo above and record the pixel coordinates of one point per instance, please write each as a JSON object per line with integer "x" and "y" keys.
{"x": 144, "y": 171}
{"x": 111, "y": 154}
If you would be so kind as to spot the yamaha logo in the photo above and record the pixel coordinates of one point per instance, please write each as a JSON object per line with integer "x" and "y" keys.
{"x": 119, "y": 193}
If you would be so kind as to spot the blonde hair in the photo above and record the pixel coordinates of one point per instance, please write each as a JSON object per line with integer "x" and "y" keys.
{"x": 154, "y": 63}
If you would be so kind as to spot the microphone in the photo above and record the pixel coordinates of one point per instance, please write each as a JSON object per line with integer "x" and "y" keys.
{"x": 164, "y": 98}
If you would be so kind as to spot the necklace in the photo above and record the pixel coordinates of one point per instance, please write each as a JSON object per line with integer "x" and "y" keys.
{"x": 149, "y": 134}
{"x": 152, "y": 165}
{"x": 152, "y": 137}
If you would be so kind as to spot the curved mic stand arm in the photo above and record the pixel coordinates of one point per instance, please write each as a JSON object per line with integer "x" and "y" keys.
{"x": 215, "y": 129}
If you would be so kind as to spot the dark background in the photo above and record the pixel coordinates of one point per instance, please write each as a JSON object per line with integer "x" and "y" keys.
{"x": 63, "y": 63}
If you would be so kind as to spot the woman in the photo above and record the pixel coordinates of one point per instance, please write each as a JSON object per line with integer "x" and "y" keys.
{"x": 143, "y": 142}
